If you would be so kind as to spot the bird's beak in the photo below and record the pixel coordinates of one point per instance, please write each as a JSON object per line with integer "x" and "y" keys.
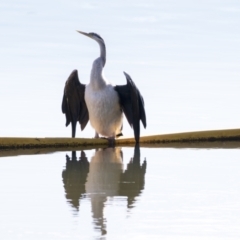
{"x": 86, "y": 34}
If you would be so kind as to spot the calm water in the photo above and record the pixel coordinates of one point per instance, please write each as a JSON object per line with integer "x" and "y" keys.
{"x": 184, "y": 56}
{"x": 164, "y": 193}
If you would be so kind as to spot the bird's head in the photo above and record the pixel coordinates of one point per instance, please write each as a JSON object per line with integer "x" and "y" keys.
{"x": 101, "y": 43}
{"x": 93, "y": 35}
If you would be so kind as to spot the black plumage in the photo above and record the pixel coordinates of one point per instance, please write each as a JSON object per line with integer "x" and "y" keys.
{"x": 132, "y": 104}
{"x": 73, "y": 103}
{"x": 130, "y": 100}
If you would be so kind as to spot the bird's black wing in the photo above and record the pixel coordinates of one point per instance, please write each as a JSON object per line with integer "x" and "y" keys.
{"x": 132, "y": 104}
{"x": 73, "y": 103}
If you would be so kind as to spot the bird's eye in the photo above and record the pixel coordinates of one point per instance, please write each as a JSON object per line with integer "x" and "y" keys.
{"x": 96, "y": 35}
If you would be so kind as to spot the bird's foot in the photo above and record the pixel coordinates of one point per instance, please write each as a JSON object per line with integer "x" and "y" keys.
{"x": 119, "y": 135}
{"x": 111, "y": 141}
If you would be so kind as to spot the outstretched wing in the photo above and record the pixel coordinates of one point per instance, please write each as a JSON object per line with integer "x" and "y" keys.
{"x": 73, "y": 103}
{"x": 132, "y": 104}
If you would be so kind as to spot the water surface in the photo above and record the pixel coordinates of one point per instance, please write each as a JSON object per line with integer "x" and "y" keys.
{"x": 118, "y": 193}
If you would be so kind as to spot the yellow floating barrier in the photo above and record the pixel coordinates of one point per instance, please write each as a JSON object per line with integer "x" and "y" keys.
{"x": 15, "y": 143}
{"x": 184, "y": 137}
{"x": 68, "y": 143}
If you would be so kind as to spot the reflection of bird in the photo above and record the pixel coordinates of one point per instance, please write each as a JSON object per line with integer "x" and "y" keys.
{"x": 105, "y": 169}
{"x": 102, "y": 181}
{"x": 74, "y": 178}
{"x": 132, "y": 179}
{"x": 102, "y": 103}
{"x": 102, "y": 178}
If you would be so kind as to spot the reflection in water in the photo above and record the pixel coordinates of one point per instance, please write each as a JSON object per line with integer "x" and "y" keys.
{"x": 132, "y": 179}
{"x": 74, "y": 178}
{"x": 102, "y": 181}
{"x": 104, "y": 177}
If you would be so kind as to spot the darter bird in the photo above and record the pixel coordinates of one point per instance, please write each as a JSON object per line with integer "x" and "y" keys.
{"x": 101, "y": 102}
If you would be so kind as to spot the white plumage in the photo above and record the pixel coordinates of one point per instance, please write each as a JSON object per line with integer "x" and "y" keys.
{"x": 104, "y": 110}
{"x": 102, "y": 101}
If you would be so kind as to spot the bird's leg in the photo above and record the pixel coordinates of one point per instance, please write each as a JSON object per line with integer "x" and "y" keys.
{"x": 111, "y": 141}
{"x": 96, "y": 135}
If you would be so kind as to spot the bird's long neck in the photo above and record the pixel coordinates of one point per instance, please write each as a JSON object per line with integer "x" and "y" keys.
{"x": 97, "y": 80}
{"x": 103, "y": 52}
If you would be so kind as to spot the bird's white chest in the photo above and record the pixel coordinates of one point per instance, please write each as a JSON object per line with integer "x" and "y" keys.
{"x": 104, "y": 110}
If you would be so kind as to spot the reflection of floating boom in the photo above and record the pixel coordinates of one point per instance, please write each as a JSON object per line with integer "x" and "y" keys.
{"x": 199, "y": 136}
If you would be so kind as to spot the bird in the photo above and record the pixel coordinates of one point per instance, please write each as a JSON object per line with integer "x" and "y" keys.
{"x": 102, "y": 103}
